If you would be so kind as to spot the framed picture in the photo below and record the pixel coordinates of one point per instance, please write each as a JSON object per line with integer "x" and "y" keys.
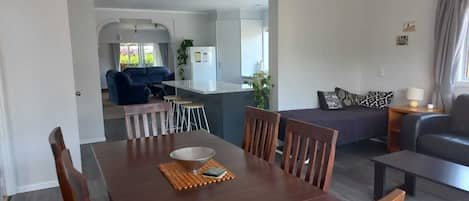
{"x": 409, "y": 27}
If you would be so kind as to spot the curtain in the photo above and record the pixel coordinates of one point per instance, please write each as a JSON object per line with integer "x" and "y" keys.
{"x": 451, "y": 48}
{"x": 116, "y": 53}
{"x": 164, "y": 53}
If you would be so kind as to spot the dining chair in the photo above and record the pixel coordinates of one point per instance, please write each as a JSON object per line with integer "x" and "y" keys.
{"x": 260, "y": 133}
{"x": 74, "y": 182}
{"x": 146, "y": 114}
{"x": 57, "y": 145}
{"x": 309, "y": 153}
{"x": 396, "y": 195}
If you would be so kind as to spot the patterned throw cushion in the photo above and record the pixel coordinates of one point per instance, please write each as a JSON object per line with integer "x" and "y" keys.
{"x": 329, "y": 101}
{"x": 377, "y": 99}
{"x": 348, "y": 99}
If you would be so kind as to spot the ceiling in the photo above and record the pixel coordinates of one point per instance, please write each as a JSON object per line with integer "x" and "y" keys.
{"x": 183, "y": 5}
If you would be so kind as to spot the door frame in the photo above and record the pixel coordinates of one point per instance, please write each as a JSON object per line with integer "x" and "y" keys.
{"x": 6, "y": 148}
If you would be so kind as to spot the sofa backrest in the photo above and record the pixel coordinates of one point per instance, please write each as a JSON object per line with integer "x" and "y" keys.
{"x": 149, "y": 75}
{"x": 157, "y": 74}
{"x": 460, "y": 115}
{"x": 138, "y": 75}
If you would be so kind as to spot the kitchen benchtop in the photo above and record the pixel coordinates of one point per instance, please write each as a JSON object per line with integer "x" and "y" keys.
{"x": 208, "y": 86}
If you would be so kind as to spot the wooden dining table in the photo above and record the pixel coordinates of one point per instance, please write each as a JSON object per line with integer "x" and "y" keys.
{"x": 131, "y": 172}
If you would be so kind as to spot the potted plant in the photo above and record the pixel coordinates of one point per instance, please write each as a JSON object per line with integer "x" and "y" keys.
{"x": 261, "y": 83}
{"x": 182, "y": 56}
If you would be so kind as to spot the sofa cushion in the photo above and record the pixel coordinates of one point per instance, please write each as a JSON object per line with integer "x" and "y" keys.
{"x": 329, "y": 101}
{"x": 450, "y": 147}
{"x": 348, "y": 99}
{"x": 460, "y": 115}
{"x": 377, "y": 100}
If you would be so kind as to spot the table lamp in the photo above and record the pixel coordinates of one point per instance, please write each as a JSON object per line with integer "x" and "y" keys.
{"x": 415, "y": 95}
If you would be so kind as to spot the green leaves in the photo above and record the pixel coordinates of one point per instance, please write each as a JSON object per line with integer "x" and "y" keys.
{"x": 182, "y": 56}
{"x": 262, "y": 83}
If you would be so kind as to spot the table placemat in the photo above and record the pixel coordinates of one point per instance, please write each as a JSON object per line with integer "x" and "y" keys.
{"x": 182, "y": 179}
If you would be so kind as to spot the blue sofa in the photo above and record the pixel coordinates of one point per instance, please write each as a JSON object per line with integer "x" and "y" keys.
{"x": 123, "y": 91}
{"x": 150, "y": 76}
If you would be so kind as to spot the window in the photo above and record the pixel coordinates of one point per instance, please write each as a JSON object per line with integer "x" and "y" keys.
{"x": 139, "y": 55}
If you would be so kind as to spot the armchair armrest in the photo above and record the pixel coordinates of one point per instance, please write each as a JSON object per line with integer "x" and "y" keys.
{"x": 414, "y": 125}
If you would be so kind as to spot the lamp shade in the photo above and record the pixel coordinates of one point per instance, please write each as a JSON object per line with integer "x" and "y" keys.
{"x": 415, "y": 94}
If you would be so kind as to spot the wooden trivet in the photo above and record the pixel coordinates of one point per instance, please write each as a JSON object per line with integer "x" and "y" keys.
{"x": 182, "y": 179}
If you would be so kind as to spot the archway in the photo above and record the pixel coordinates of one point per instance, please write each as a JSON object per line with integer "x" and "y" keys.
{"x": 137, "y": 37}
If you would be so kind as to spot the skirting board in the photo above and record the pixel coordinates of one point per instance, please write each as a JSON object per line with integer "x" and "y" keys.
{"x": 92, "y": 140}
{"x": 38, "y": 186}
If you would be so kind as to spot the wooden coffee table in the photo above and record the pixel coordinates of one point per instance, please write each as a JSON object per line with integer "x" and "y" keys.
{"x": 418, "y": 165}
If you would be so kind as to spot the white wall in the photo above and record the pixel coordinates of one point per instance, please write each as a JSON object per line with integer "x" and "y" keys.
{"x": 106, "y": 62}
{"x": 318, "y": 44}
{"x": 237, "y": 45}
{"x": 403, "y": 66}
{"x": 251, "y": 47}
{"x": 229, "y": 50}
{"x": 86, "y": 70}
{"x": 181, "y": 25}
{"x": 39, "y": 86}
{"x": 321, "y": 44}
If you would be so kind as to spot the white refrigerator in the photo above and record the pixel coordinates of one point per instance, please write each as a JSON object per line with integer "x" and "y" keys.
{"x": 201, "y": 64}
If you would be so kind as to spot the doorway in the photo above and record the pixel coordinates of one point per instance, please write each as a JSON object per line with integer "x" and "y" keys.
{"x": 130, "y": 46}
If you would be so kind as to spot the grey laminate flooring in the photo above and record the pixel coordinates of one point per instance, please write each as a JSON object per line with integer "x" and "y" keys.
{"x": 352, "y": 178}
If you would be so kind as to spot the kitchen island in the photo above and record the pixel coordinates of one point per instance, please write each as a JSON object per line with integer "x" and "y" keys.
{"x": 224, "y": 104}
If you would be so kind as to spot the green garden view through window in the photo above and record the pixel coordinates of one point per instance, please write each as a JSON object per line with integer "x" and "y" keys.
{"x": 137, "y": 54}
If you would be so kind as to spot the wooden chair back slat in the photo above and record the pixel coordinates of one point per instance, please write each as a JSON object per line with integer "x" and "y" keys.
{"x": 312, "y": 143}
{"x": 260, "y": 133}
{"x": 145, "y": 116}
{"x": 137, "y": 125}
{"x": 313, "y": 146}
{"x": 146, "y": 128}
{"x": 396, "y": 195}
{"x": 128, "y": 125}
{"x": 162, "y": 123}
{"x": 154, "y": 126}
{"x": 74, "y": 181}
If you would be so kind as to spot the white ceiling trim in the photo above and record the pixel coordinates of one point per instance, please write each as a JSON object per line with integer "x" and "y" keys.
{"x": 153, "y": 11}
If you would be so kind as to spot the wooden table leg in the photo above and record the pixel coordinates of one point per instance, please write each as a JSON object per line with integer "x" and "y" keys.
{"x": 380, "y": 181}
{"x": 409, "y": 185}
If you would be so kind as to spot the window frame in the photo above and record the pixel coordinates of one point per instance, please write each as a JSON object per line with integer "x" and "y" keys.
{"x": 140, "y": 55}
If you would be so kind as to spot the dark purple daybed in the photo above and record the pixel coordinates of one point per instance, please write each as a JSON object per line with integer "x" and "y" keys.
{"x": 354, "y": 123}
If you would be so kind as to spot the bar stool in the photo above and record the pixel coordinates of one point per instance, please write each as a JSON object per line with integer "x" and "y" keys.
{"x": 171, "y": 99}
{"x": 191, "y": 109}
{"x": 178, "y": 105}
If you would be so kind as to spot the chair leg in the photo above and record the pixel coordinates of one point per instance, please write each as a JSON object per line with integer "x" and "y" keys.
{"x": 195, "y": 120}
{"x": 173, "y": 112}
{"x": 189, "y": 126}
{"x": 181, "y": 112}
{"x": 206, "y": 121}
{"x": 199, "y": 119}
